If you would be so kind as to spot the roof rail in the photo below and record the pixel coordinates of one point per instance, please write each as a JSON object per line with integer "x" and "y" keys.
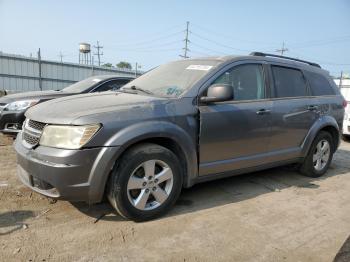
{"x": 284, "y": 57}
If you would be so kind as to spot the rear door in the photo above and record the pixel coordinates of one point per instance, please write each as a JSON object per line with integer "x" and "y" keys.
{"x": 294, "y": 111}
{"x": 235, "y": 134}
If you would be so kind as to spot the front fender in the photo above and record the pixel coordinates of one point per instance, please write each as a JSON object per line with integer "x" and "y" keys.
{"x": 322, "y": 122}
{"x": 123, "y": 139}
{"x": 160, "y": 129}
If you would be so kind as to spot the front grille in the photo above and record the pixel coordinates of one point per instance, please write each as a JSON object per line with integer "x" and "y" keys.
{"x": 36, "y": 125}
{"x": 32, "y": 132}
{"x": 30, "y": 139}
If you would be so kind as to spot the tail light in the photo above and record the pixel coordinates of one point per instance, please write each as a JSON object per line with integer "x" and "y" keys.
{"x": 345, "y": 103}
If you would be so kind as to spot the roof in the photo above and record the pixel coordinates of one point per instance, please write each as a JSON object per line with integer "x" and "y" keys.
{"x": 265, "y": 57}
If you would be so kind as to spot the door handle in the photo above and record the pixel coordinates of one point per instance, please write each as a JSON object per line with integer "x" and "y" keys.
{"x": 263, "y": 112}
{"x": 312, "y": 108}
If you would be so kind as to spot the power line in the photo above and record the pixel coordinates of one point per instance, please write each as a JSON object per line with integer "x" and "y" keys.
{"x": 146, "y": 47}
{"x": 320, "y": 61}
{"x": 219, "y": 44}
{"x": 208, "y": 49}
{"x": 321, "y": 42}
{"x": 152, "y": 36}
{"x": 282, "y": 50}
{"x": 214, "y": 32}
{"x": 199, "y": 53}
{"x": 147, "y": 50}
{"x": 186, "y": 42}
{"x": 99, "y": 53}
{"x": 152, "y": 40}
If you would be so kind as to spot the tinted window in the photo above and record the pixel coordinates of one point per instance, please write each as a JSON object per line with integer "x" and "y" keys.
{"x": 320, "y": 86}
{"x": 83, "y": 85}
{"x": 288, "y": 82}
{"x": 247, "y": 81}
{"x": 112, "y": 85}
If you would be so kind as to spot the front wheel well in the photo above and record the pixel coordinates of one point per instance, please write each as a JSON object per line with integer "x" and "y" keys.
{"x": 165, "y": 142}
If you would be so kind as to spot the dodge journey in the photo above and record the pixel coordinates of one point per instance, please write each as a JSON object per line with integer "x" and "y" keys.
{"x": 181, "y": 123}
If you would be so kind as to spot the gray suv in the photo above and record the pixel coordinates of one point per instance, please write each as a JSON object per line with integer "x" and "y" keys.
{"x": 181, "y": 123}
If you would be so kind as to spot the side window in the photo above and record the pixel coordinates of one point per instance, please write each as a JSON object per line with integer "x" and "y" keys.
{"x": 111, "y": 85}
{"x": 320, "y": 86}
{"x": 246, "y": 80}
{"x": 288, "y": 82}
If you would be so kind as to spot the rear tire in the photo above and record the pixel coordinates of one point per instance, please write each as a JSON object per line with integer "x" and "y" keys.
{"x": 145, "y": 183}
{"x": 319, "y": 156}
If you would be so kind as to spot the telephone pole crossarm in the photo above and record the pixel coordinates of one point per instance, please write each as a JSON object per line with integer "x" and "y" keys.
{"x": 282, "y": 50}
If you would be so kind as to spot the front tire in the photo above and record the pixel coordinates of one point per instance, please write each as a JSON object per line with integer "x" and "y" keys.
{"x": 146, "y": 182}
{"x": 319, "y": 156}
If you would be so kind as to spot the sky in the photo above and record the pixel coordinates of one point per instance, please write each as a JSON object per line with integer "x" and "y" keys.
{"x": 152, "y": 32}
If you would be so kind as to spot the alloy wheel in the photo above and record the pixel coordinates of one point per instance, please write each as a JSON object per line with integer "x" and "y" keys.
{"x": 150, "y": 185}
{"x": 321, "y": 155}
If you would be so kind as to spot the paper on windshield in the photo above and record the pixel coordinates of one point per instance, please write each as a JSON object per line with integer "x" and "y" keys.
{"x": 199, "y": 67}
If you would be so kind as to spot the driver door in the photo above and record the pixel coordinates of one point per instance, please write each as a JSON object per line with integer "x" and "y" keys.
{"x": 235, "y": 134}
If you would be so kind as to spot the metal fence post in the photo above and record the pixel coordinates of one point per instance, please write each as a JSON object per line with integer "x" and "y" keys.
{"x": 39, "y": 64}
{"x": 92, "y": 66}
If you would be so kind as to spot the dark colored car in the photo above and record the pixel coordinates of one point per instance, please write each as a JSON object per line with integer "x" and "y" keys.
{"x": 180, "y": 124}
{"x": 13, "y": 107}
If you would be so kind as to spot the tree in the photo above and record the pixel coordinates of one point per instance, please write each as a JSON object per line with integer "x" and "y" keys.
{"x": 109, "y": 65}
{"x": 123, "y": 64}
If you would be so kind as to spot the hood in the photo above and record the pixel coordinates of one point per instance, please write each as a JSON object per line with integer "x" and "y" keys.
{"x": 68, "y": 109}
{"x": 42, "y": 95}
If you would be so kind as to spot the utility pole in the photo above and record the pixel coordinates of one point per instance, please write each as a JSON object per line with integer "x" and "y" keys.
{"x": 187, "y": 41}
{"x": 99, "y": 53}
{"x": 92, "y": 66}
{"x": 136, "y": 67}
{"x": 341, "y": 80}
{"x": 61, "y": 56}
{"x": 282, "y": 50}
{"x": 39, "y": 64}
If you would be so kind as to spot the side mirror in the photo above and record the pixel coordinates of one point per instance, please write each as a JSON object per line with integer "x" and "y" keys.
{"x": 218, "y": 93}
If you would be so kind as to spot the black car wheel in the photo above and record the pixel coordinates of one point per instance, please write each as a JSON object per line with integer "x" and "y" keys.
{"x": 145, "y": 183}
{"x": 319, "y": 156}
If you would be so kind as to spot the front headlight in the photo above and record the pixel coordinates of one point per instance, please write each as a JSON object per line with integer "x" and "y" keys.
{"x": 67, "y": 137}
{"x": 21, "y": 105}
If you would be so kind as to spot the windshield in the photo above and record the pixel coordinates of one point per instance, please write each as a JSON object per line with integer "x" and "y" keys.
{"x": 173, "y": 79}
{"x": 83, "y": 85}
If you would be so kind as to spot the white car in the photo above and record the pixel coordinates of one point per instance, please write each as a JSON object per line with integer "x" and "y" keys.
{"x": 346, "y": 124}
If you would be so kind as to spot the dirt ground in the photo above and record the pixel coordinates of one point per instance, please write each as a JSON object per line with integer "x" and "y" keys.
{"x": 274, "y": 215}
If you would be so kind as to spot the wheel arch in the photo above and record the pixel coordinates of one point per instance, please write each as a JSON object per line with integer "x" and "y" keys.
{"x": 325, "y": 123}
{"x": 164, "y": 134}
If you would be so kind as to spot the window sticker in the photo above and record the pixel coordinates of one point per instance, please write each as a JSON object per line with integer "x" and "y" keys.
{"x": 199, "y": 67}
{"x": 173, "y": 90}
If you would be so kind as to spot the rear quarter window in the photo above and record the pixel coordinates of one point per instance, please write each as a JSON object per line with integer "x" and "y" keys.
{"x": 319, "y": 84}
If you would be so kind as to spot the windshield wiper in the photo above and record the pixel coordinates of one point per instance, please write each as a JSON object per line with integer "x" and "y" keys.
{"x": 139, "y": 89}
